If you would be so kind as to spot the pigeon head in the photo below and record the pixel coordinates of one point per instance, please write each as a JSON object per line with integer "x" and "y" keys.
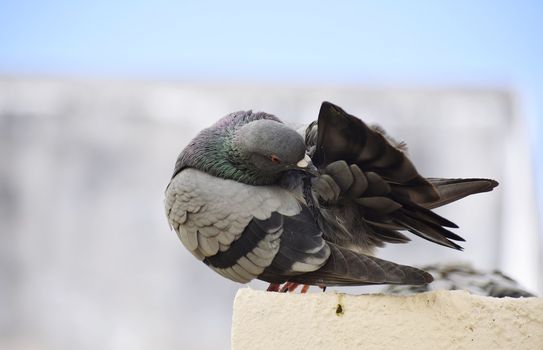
{"x": 270, "y": 146}
{"x": 254, "y": 148}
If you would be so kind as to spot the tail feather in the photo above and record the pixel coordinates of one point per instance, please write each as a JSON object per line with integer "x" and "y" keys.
{"x": 451, "y": 190}
{"x": 348, "y": 268}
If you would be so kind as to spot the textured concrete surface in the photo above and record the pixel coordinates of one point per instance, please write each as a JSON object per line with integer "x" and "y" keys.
{"x": 435, "y": 320}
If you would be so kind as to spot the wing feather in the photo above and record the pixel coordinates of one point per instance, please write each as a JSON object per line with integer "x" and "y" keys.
{"x": 381, "y": 191}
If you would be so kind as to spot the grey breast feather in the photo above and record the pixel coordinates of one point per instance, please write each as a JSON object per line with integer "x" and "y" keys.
{"x": 209, "y": 213}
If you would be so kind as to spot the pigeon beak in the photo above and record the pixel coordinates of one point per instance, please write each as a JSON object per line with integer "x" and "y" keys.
{"x": 307, "y": 165}
{"x": 304, "y": 163}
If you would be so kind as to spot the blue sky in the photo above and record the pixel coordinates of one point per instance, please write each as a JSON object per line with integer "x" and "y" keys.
{"x": 485, "y": 43}
{"x": 481, "y": 42}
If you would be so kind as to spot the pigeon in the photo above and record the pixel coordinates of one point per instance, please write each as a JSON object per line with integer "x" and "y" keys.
{"x": 463, "y": 276}
{"x": 253, "y": 198}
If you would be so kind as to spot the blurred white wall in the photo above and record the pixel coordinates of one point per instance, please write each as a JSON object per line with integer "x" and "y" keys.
{"x": 87, "y": 259}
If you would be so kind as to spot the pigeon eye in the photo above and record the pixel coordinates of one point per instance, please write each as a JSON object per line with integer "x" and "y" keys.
{"x": 275, "y": 159}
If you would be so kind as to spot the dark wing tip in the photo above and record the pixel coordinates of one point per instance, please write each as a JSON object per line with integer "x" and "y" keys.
{"x": 330, "y": 111}
{"x": 492, "y": 183}
{"x": 428, "y": 278}
{"x": 326, "y": 104}
{"x": 326, "y": 108}
{"x": 451, "y": 190}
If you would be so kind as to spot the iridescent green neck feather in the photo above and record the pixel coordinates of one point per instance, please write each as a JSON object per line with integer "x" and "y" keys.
{"x": 216, "y": 152}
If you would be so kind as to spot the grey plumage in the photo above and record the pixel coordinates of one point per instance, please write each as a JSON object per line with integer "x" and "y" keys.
{"x": 245, "y": 201}
{"x": 461, "y": 276}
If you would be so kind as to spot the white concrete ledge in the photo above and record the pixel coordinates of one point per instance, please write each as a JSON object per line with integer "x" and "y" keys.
{"x": 435, "y": 320}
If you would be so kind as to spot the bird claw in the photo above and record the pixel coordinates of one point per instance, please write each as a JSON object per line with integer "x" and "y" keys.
{"x": 287, "y": 287}
{"x": 273, "y": 287}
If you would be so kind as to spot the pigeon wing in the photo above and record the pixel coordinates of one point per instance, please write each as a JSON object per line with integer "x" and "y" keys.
{"x": 305, "y": 257}
{"x": 345, "y": 267}
{"x": 367, "y": 179}
{"x": 342, "y": 136}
